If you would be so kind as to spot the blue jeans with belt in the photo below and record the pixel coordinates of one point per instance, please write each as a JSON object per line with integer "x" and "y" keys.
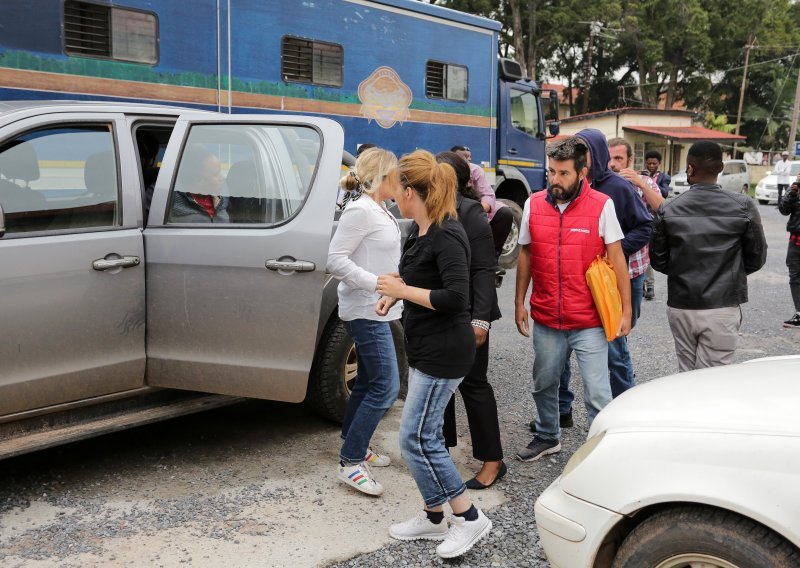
{"x": 422, "y": 439}
{"x": 620, "y": 366}
{"x": 376, "y": 389}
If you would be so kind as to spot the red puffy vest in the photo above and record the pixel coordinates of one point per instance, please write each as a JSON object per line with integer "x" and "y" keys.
{"x": 562, "y": 247}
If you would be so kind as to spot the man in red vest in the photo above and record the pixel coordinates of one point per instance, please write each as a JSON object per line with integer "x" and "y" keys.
{"x": 563, "y": 230}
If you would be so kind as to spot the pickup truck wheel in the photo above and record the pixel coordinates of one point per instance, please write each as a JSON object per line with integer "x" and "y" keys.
{"x": 510, "y": 252}
{"x": 703, "y": 536}
{"x": 335, "y": 369}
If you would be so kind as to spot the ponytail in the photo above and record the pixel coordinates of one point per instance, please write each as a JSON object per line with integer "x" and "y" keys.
{"x": 434, "y": 182}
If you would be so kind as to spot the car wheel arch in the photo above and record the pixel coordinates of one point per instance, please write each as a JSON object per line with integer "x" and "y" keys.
{"x": 613, "y": 540}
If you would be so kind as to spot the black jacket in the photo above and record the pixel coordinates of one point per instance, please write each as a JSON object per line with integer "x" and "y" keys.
{"x": 482, "y": 291}
{"x": 707, "y": 241}
{"x": 790, "y": 205}
{"x": 439, "y": 342}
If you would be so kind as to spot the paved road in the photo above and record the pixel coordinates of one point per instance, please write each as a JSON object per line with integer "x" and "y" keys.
{"x": 253, "y": 485}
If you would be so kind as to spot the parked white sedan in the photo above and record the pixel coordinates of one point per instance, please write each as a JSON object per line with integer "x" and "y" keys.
{"x": 767, "y": 187}
{"x": 696, "y": 469}
{"x": 735, "y": 177}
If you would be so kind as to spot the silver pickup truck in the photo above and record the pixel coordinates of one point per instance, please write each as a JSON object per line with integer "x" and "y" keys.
{"x": 158, "y": 261}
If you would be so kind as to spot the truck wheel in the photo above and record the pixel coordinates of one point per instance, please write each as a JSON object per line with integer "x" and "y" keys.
{"x": 335, "y": 369}
{"x": 702, "y": 536}
{"x": 510, "y": 252}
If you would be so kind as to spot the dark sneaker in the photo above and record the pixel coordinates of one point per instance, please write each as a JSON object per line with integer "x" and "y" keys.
{"x": 564, "y": 420}
{"x": 794, "y": 321}
{"x": 538, "y": 448}
{"x": 649, "y": 292}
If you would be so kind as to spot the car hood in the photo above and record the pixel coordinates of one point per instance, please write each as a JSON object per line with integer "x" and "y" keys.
{"x": 760, "y": 396}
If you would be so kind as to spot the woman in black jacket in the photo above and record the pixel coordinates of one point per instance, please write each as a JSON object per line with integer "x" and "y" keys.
{"x": 440, "y": 344}
{"x": 478, "y": 395}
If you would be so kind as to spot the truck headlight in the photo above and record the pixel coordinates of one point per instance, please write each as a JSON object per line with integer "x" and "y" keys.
{"x": 582, "y": 453}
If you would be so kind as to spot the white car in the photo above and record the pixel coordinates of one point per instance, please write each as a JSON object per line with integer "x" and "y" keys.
{"x": 767, "y": 187}
{"x": 735, "y": 177}
{"x": 695, "y": 469}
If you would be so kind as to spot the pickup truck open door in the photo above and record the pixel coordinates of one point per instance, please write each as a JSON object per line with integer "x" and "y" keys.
{"x": 236, "y": 246}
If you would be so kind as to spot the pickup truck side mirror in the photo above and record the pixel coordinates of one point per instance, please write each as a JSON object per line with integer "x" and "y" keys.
{"x": 2, "y": 222}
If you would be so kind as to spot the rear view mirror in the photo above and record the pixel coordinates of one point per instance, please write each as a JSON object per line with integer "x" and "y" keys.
{"x": 551, "y": 118}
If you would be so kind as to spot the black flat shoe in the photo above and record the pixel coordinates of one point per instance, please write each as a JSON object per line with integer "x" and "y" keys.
{"x": 477, "y": 485}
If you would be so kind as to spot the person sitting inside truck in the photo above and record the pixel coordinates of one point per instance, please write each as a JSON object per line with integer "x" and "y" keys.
{"x": 500, "y": 216}
{"x": 199, "y": 200}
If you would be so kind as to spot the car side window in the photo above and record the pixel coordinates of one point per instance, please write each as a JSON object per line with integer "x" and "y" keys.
{"x": 60, "y": 178}
{"x": 243, "y": 174}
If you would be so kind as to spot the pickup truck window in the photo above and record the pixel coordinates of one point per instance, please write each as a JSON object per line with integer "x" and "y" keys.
{"x": 244, "y": 174}
{"x": 60, "y": 178}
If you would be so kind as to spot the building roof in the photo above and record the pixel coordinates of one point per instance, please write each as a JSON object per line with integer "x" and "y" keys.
{"x": 685, "y": 133}
{"x": 628, "y": 110}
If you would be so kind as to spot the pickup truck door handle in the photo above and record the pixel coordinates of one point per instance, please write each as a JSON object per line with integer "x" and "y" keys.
{"x": 512, "y": 151}
{"x": 288, "y": 264}
{"x": 124, "y": 262}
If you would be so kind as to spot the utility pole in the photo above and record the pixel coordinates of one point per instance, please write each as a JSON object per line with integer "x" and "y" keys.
{"x": 795, "y": 113}
{"x": 594, "y": 28}
{"x": 750, "y": 43}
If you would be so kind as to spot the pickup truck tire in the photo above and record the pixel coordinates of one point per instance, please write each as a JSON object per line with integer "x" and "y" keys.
{"x": 335, "y": 368}
{"x": 510, "y": 252}
{"x": 704, "y": 536}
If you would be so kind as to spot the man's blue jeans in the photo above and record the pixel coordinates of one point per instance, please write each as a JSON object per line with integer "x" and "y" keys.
{"x": 552, "y": 347}
{"x": 620, "y": 366}
{"x": 376, "y": 388}
{"x": 422, "y": 439}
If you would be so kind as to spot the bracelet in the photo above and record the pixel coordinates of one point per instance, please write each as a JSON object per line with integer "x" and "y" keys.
{"x": 484, "y": 325}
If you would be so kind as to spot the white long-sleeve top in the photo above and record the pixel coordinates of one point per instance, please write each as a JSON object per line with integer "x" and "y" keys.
{"x": 782, "y": 169}
{"x": 366, "y": 245}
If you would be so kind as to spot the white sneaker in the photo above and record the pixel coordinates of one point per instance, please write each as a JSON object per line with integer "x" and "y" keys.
{"x": 418, "y": 527}
{"x": 360, "y": 477}
{"x": 377, "y": 460}
{"x": 463, "y": 534}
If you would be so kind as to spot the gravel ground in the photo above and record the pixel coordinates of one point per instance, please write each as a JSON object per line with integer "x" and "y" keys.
{"x": 247, "y": 484}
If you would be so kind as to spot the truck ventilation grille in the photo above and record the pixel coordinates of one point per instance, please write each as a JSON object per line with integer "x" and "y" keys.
{"x": 87, "y": 29}
{"x": 434, "y": 80}
{"x": 314, "y": 62}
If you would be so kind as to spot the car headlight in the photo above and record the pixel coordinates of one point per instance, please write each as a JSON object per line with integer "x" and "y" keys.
{"x": 582, "y": 453}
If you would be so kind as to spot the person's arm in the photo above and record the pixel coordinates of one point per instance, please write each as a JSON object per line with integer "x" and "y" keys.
{"x": 754, "y": 243}
{"x": 614, "y": 253}
{"x": 634, "y": 215}
{"x": 353, "y": 227}
{"x": 522, "y": 284}
{"x": 481, "y": 186}
{"x": 481, "y": 266}
{"x": 788, "y": 203}
{"x": 650, "y": 191}
{"x": 659, "y": 243}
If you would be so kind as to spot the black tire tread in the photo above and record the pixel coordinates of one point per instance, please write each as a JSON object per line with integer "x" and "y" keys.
{"x": 685, "y": 524}
{"x": 323, "y": 396}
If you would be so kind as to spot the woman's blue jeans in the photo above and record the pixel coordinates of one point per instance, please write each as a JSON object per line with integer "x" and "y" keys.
{"x": 376, "y": 388}
{"x": 422, "y": 439}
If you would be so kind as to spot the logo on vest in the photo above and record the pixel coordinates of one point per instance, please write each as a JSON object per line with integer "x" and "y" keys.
{"x": 577, "y": 230}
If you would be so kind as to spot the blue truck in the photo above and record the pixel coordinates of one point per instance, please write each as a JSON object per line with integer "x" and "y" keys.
{"x": 402, "y": 74}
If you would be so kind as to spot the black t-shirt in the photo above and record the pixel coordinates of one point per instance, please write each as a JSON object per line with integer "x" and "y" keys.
{"x": 439, "y": 342}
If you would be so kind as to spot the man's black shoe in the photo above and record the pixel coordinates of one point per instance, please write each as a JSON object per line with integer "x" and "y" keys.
{"x": 564, "y": 420}
{"x": 794, "y": 321}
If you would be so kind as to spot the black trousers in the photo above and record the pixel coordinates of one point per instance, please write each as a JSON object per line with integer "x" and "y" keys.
{"x": 481, "y": 408}
{"x": 501, "y": 227}
{"x": 793, "y": 262}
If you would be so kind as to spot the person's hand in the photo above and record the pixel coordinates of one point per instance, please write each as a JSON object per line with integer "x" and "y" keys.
{"x": 486, "y": 206}
{"x": 634, "y": 177}
{"x": 391, "y": 285}
{"x": 480, "y": 335}
{"x": 625, "y": 324}
{"x": 384, "y": 305}
{"x": 521, "y": 319}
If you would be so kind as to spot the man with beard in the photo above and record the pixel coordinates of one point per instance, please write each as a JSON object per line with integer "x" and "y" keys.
{"x": 563, "y": 230}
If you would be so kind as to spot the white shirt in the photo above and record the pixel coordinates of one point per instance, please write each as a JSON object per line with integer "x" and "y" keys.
{"x": 782, "y": 168}
{"x": 366, "y": 245}
{"x": 609, "y": 228}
